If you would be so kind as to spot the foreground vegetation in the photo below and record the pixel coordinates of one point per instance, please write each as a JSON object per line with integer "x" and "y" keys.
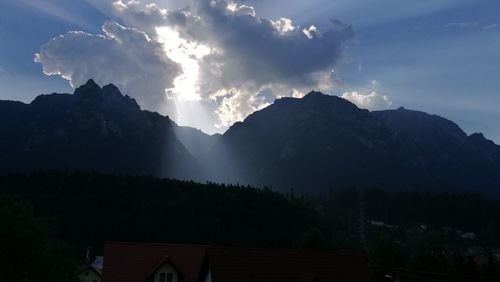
{"x": 50, "y": 219}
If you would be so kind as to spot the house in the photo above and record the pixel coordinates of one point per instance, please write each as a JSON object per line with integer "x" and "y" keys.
{"x": 138, "y": 262}
{"x": 89, "y": 273}
{"x": 145, "y": 262}
{"x": 469, "y": 236}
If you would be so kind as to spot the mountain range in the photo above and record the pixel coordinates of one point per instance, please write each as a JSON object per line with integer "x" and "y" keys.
{"x": 312, "y": 145}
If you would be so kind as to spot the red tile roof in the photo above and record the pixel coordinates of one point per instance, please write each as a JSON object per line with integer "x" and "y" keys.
{"x": 134, "y": 262}
{"x": 268, "y": 265}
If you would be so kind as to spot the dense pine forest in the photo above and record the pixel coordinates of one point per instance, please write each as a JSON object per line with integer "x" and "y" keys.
{"x": 49, "y": 220}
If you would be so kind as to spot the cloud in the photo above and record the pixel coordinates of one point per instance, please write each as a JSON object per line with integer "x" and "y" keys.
{"x": 462, "y": 24}
{"x": 249, "y": 48}
{"x": 470, "y": 25}
{"x": 490, "y": 26}
{"x": 260, "y": 51}
{"x": 371, "y": 101}
{"x": 235, "y": 105}
{"x": 124, "y": 56}
{"x": 283, "y": 25}
{"x": 243, "y": 54}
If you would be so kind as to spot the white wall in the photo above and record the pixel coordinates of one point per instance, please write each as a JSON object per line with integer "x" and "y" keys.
{"x": 166, "y": 268}
{"x": 89, "y": 276}
{"x": 208, "y": 278}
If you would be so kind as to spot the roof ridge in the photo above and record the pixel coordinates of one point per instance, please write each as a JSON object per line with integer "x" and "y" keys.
{"x": 287, "y": 249}
{"x": 155, "y": 244}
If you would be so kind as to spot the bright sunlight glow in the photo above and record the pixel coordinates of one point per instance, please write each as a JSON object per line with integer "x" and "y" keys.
{"x": 186, "y": 54}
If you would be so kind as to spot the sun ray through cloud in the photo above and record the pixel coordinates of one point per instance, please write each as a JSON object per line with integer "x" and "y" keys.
{"x": 187, "y": 54}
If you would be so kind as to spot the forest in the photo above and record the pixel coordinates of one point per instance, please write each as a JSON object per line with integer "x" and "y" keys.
{"x": 50, "y": 219}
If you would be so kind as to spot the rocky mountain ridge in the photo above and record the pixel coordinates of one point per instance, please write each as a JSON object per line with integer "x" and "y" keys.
{"x": 312, "y": 145}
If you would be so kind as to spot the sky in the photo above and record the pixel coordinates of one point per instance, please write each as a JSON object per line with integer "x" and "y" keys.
{"x": 208, "y": 64}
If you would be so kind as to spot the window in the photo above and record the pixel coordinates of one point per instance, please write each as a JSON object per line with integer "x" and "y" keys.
{"x": 162, "y": 277}
{"x": 169, "y": 277}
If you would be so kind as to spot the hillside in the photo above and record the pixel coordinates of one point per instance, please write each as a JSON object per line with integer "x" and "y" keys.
{"x": 313, "y": 145}
{"x": 95, "y": 129}
{"x": 323, "y": 142}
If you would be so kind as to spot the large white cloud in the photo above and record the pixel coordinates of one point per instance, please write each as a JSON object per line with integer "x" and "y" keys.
{"x": 246, "y": 55}
{"x": 371, "y": 101}
{"x": 262, "y": 51}
{"x": 123, "y": 56}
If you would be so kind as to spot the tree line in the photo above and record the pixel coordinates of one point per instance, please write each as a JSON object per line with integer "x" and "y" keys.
{"x": 49, "y": 219}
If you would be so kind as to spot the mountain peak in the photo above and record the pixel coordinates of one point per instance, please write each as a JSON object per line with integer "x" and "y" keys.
{"x": 108, "y": 96}
{"x": 479, "y": 137}
{"x": 332, "y": 102}
{"x": 91, "y": 83}
{"x": 111, "y": 88}
{"x": 88, "y": 88}
{"x": 112, "y": 95}
{"x": 314, "y": 93}
{"x": 320, "y": 95}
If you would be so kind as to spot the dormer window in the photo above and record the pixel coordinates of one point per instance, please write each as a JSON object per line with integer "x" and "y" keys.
{"x": 165, "y": 271}
{"x": 168, "y": 277}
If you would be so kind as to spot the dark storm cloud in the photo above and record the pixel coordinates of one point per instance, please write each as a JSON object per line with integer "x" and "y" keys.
{"x": 267, "y": 51}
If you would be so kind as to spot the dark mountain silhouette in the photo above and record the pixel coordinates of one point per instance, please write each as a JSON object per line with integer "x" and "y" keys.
{"x": 312, "y": 145}
{"x": 196, "y": 141}
{"x": 323, "y": 142}
{"x": 93, "y": 129}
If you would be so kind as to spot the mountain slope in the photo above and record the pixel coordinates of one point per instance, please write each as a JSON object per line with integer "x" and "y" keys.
{"x": 312, "y": 145}
{"x": 455, "y": 159}
{"x": 323, "y": 142}
{"x": 93, "y": 129}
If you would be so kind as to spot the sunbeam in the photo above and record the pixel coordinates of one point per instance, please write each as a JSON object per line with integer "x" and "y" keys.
{"x": 187, "y": 54}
